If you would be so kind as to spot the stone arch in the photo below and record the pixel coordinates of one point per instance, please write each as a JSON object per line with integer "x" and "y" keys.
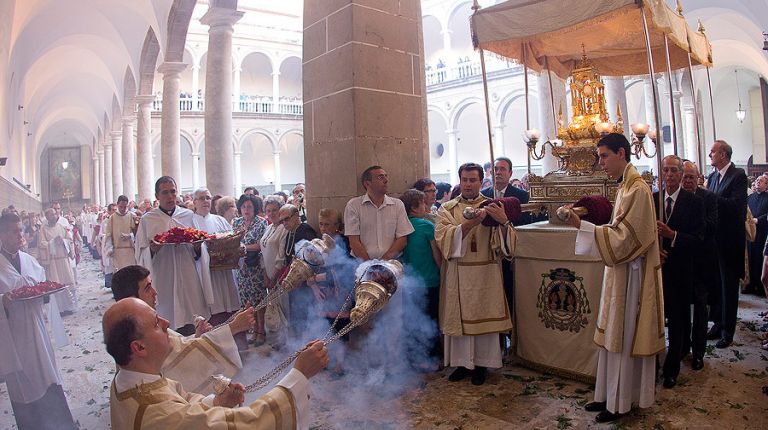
{"x": 507, "y": 101}
{"x": 178, "y": 25}
{"x": 150, "y": 51}
{"x": 256, "y": 74}
{"x": 116, "y": 117}
{"x": 129, "y": 92}
{"x": 257, "y": 161}
{"x": 291, "y": 148}
{"x": 290, "y": 77}
{"x": 460, "y": 107}
{"x": 266, "y": 133}
{"x": 433, "y": 29}
{"x": 438, "y": 111}
{"x": 458, "y": 25}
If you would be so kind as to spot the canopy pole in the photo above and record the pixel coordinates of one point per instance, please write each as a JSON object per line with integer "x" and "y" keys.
{"x": 527, "y": 113}
{"x": 672, "y": 116}
{"x": 488, "y": 115}
{"x": 551, "y": 93}
{"x": 657, "y": 116}
{"x": 695, "y": 110}
{"x": 711, "y": 105}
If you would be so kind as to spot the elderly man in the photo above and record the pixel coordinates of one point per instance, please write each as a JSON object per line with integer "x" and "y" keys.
{"x": 300, "y": 300}
{"x": 706, "y": 277}
{"x": 225, "y": 298}
{"x": 141, "y": 397}
{"x": 27, "y": 362}
{"x": 194, "y": 358}
{"x": 729, "y": 184}
{"x": 118, "y": 236}
{"x": 758, "y": 204}
{"x": 173, "y": 268}
{"x": 630, "y": 323}
{"x": 472, "y": 307}
{"x": 682, "y": 233}
{"x": 55, "y": 246}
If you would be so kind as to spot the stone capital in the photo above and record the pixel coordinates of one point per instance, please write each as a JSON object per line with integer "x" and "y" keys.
{"x": 116, "y": 135}
{"x": 144, "y": 99}
{"x": 220, "y": 18}
{"x": 128, "y": 121}
{"x": 171, "y": 69}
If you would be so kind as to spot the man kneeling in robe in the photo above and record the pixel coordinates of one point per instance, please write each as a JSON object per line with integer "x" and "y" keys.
{"x": 142, "y": 398}
{"x": 473, "y": 308}
{"x": 630, "y": 323}
{"x": 196, "y": 357}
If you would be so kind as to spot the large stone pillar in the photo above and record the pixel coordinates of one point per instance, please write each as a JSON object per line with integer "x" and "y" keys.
{"x": 170, "y": 127}
{"x": 691, "y": 139}
{"x": 616, "y": 96}
{"x": 676, "y": 99}
{"x": 453, "y": 156}
{"x": 218, "y": 100}
{"x": 102, "y": 179}
{"x": 129, "y": 157}
{"x": 108, "y": 187}
{"x": 96, "y": 197}
{"x": 548, "y": 114}
{"x": 144, "y": 165}
{"x": 195, "y": 170}
{"x": 117, "y": 163}
{"x": 364, "y": 97}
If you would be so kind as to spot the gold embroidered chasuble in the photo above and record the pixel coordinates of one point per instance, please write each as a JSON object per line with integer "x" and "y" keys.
{"x": 472, "y": 300}
{"x": 164, "y": 405}
{"x": 630, "y": 235}
{"x": 118, "y": 238}
{"x": 194, "y": 359}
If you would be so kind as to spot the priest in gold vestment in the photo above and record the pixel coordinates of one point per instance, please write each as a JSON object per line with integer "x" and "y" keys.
{"x": 142, "y": 398}
{"x": 630, "y": 323}
{"x": 473, "y": 308}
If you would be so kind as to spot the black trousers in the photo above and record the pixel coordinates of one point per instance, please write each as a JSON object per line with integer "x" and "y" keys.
{"x": 49, "y": 412}
{"x": 698, "y": 338}
{"x": 678, "y": 329}
{"x": 729, "y": 301}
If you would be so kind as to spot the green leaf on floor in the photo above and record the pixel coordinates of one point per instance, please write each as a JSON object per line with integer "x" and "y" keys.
{"x": 563, "y": 422}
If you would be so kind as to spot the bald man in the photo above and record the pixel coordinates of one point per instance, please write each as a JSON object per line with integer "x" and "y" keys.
{"x": 141, "y": 398}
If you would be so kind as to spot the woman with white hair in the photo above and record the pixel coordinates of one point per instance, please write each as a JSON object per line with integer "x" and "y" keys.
{"x": 225, "y": 296}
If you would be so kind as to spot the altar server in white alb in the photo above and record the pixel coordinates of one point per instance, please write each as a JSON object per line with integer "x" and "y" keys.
{"x": 225, "y": 297}
{"x": 174, "y": 272}
{"x": 141, "y": 397}
{"x": 54, "y": 249}
{"x": 118, "y": 236}
{"x": 27, "y": 362}
{"x": 630, "y": 323}
{"x": 193, "y": 358}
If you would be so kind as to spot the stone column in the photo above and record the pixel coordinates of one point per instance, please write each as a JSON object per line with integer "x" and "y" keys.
{"x": 195, "y": 86}
{"x": 276, "y": 92}
{"x": 364, "y": 97}
{"x": 278, "y": 180}
{"x": 218, "y": 99}
{"x": 453, "y": 156}
{"x": 195, "y": 170}
{"x": 650, "y": 119}
{"x": 108, "y": 167}
{"x": 676, "y": 96}
{"x": 238, "y": 175}
{"x": 129, "y": 159}
{"x": 548, "y": 115}
{"x": 144, "y": 165}
{"x": 498, "y": 140}
{"x": 170, "y": 128}
{"x": 96, "y": 198}
{"x": 691, "y": 141}
{"x": 236, "y": 106}
{"x": 616, "y": 96}
{"x": 102, "y": 179}
{"x": 117, "y": 163}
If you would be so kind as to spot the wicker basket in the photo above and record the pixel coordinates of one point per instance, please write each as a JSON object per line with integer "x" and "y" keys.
{"x": 226, "y": 251}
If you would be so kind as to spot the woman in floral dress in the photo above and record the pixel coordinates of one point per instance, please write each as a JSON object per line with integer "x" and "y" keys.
{"x": 250, "y": 275}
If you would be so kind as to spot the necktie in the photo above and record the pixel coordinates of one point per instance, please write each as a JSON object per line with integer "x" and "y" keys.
{"x": 668, "y": 209}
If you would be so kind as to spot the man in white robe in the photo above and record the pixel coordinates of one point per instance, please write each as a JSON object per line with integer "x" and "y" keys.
{"x": 194, "y": 358}
{"x": 141, "y": 397}
{"x": 173, "y": 268}
{"x": 27, "y": 362}
{"x": 473, "y": 308}
{"x": 118, "y": 236}
{"x": 225, "y": 297}
{"x": 54, "y": 249}
{"x": 630, "y": 323}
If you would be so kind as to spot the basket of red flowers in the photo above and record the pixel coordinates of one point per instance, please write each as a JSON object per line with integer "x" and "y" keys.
{"x": 41, "y": 289}
{"x": 176, "y": 236}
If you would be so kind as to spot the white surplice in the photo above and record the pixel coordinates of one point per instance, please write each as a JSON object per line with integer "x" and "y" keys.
{"x": 54, "y": 246}
{"x": 174, "y": 271}
{"x": 223, "y": 286}
{"x": 622, "y": 380}
{"x": 27, "y": 362}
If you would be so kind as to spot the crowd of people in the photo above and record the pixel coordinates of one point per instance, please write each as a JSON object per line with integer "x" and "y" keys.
{"x": 176, "y": 317}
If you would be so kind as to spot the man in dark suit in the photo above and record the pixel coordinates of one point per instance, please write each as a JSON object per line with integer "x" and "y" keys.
{"x": 706, "y": 276}
{"x": 758, "y": 204}
{"x": 502, "y": 169}
{"x": 729, "y": 183}
{"x": 682, "y": 231}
